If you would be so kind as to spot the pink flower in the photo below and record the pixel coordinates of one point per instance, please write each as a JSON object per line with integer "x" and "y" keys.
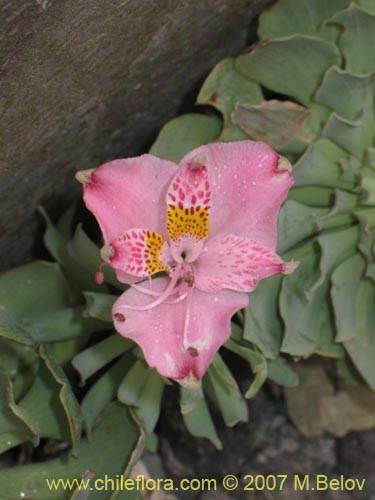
{"x": 209, "y": 224}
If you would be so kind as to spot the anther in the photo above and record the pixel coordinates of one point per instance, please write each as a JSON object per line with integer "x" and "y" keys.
{"x": 198, "y": 161}
{"x": 119, "y": 317}
{"x": 193, "y": 351}
{"x": 84, "y": 176}
{"x": 188, "y": 278}
{"x": 107, "y": 252}
{"x": 99, "y": 277}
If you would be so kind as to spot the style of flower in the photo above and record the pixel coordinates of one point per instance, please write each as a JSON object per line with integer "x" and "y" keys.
{"x": 209, "y": 226}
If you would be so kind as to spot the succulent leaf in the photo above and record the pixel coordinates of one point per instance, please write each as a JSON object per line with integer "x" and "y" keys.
{"x": 223, "y": 390}
{"x": 197, "y": 416}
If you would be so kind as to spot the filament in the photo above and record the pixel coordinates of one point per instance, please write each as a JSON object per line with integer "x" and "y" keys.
{"x": 168, "y": 291}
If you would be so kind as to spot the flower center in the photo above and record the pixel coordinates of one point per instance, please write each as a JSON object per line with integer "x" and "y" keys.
{"x": 180, "y": 288}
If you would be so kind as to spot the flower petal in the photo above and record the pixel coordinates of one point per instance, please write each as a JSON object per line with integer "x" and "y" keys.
{"x": 188, "y": 215}
{"x": 188, "y": 200}
{"x": 130, "y": 193}
{"x": 248, "y": 183}
{"x": 228, "y": 261}
{"x": 160, "y": 331}
{"x": 139, "y": 252}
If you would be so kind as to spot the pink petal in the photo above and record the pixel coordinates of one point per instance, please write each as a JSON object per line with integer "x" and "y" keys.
{"x": 228, "y": 261}
{"x": 160, "y": 331}
{"x": 139, "y": 252}
{"x": 247, "y": 188}
{"x": 130, "y": 193}
{"x": 188, "y": 216}
{"x": 188, "y": 200}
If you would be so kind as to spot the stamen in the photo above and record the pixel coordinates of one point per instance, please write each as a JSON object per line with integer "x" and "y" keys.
{"x": 179, "y": 299}
{"x": 147, "y": 291}
{"x": 119, "y": 317}
{"x": 180, "y": 288}
{"x": 193, "y": 351}
{"x": 99, "y": 275}
{"x": 168, "y": 291}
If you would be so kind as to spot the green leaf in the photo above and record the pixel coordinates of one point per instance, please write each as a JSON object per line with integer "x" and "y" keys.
{"x": 20, "y": 362}
{"x": 306, "y": 17}
{"x": 49, "y": 409}
{"x": 353, "y": 298}
{"x": 83, "y": 493}
{"x": 149, "y": 402}
{"x": 12, "y": 330}
{"x": 263, "y": 326}
{"x": 16, "y": 424}
{"x": 64, "y": 224}
{"x": 347, "y": 370}
{"x": 115, "y": 446}
{"x": 142, "y": 387}
{"x": 282, "y": 373}
{"x": 297, "y": 222}
{"x": 31, "y": 291}
{"x": 99, "y": 305}
{"x": 326, "y": 344}
{"x": 94, "y": 358}
{"x": 197, "y": 416}
{"x": 367, "y": 185}
{"x": 130, "y": 389}
{"x": 355, "y": 137}
{"x": 52, "y": 404}
{"x": 321, "y": 166}
{"x": 312, "y": 196}
{"x": 346, "y": 281}
{"x": 347, "y": 94}
{"x": 257, "y": 361}
{"x": 64, "y": 324}
{"x": 303, "y": 313}
{"x": 87, "y": 254}
{"x": 225, "y": 87}
{"x": 336, "y": 247}
{"x": 271, "y": 64}
{"x": 104, "y": 390}
{"x": 344, "y": 204}
{"x": 223, "y": 390}
{"x": 367, "y": 4}
{"x": 182, "y": 134}
{"x": 232, "y": 133}
{"x": 39, "y": 298}
{"x": 358, "y": 38}
{"x": 57, "y": 245}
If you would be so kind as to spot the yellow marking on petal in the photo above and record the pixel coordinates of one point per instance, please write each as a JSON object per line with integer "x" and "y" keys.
{"x": 193, "y": 221}
{"x": 154, "y": 243}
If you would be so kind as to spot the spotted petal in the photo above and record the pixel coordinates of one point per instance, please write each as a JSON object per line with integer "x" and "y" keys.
{"x": 188, "y": 216}
{"x": 130, "y": 193}
{"x": 139, "y": 252}
{"x": 248, "y": 183}
{"x": 160, "y": 331}
{"x": 228, "y": 261}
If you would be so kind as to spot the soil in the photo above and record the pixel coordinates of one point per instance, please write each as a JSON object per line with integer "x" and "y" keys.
{"x": 268, "y": 444}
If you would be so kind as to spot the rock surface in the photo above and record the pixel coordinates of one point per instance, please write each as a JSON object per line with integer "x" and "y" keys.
{"x": 268, "y": 444}
{"x": 87, "y": 81}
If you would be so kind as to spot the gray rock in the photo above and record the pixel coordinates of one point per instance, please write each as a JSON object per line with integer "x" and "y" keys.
{"x": 85, "y": 81}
